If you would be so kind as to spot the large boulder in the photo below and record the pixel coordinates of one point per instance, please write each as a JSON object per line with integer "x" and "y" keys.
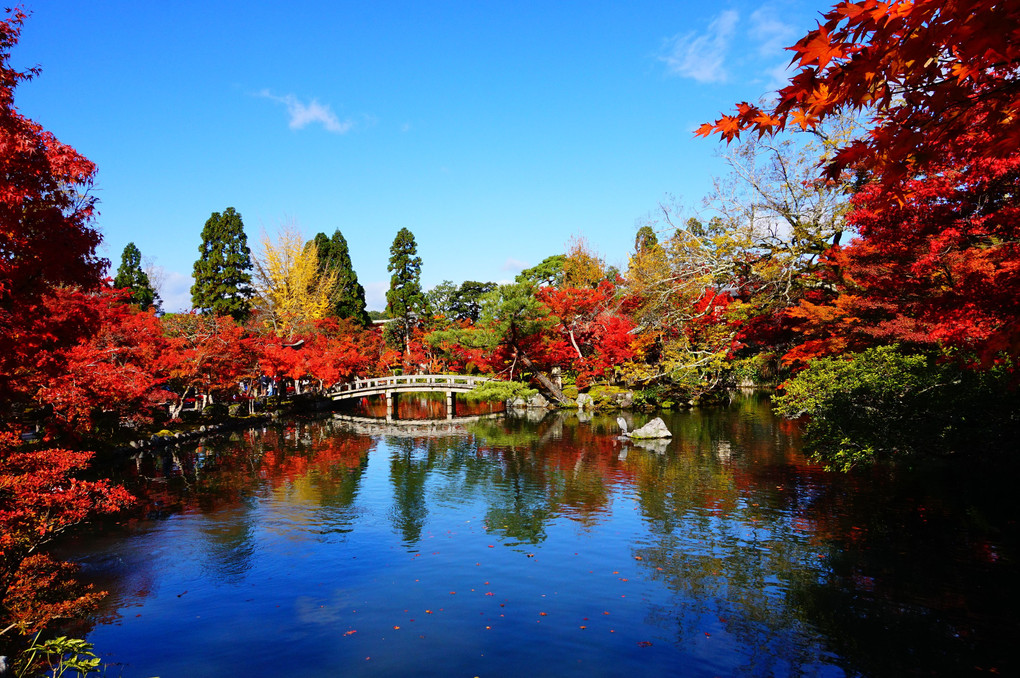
{"x": 538, "y": 402}
{"x": 585, "y": 401}
{"x": 656, "y": 428}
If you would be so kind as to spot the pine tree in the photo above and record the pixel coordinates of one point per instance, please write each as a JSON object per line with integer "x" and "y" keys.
{"x": 131, "y": 276}
{"x": 349, "y": 300}
{"x": 223, "y": 271}
{"x": 404, "y": 300}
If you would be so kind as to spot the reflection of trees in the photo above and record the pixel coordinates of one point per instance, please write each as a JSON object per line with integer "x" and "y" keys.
{"x": 881, "y": 574}
{"x": 309, "y": 465}
{"x": 409, "y": 468}
{"x": 730, "y": 557}
{"x": 920, "y": 570}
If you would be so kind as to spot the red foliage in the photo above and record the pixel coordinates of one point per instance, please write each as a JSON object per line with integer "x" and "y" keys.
{"x": 942, "y": 267}
{"x": 930, "y": 71}
{"x": 339, "y": 350}
{"x": 211, "y": 354}
{"x": 592, "y": 337}
{"x": 117, "y": 368}
{"x": 40, "y": 497}
{"x": 47, "y": 247}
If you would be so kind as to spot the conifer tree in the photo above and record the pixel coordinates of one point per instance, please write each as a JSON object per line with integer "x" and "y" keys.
{"x": 131, "y": 276}
{"x": 404, "y": 300}
{"x": 349, "y": 299}
{"x": 223, "y": 271}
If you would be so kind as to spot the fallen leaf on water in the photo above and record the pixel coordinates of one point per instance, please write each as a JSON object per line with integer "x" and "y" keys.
{"x": 644, "y": 643}
{"x": 351, "y": 632}
{"x": 396, "y": 628}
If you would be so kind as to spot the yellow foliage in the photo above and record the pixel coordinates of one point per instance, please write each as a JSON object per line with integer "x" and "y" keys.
{"x": 582, "y": 267}
{"x": 290, "y": 291}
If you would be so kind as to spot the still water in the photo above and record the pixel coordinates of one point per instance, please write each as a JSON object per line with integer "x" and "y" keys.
{"x": 547, "y": 546}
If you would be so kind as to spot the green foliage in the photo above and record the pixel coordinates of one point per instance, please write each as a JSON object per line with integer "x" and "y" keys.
{"x": 439, "y": 300}
{"x": 349, "y": 299}
{"x": 547, "y": 273}
{"x": 499, "y": 391}
{"x": 131, "y": 276}
{"x": 645, "y": 239}
{"x": 606, "y": 397}
{"x": 884, "y": 404}
{"x": 466, "y": 303}
{"x": 759, "y": 369}
{"x": 60, "y": 655}
{"x": 223, "y": 270}
{"x": 404, "y": 300}
{"x": 513, "y": 312}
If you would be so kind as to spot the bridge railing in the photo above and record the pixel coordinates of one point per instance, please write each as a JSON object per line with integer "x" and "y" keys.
{"x": 410, "y": 382}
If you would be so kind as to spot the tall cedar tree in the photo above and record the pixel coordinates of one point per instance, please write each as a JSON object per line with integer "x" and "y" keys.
{"x": 404, "y": 300}
{"x": 47, "y": 243}
{"x": 223, "y": 271}
{"x": 130, "y": 276}
{"x": 349, "y": 299}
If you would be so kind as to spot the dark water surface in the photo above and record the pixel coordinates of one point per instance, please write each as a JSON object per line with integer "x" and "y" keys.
{"x": 551, "y": 548}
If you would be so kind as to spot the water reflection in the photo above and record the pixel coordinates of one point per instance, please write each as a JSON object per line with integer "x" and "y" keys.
{"x": 722, "y": 549}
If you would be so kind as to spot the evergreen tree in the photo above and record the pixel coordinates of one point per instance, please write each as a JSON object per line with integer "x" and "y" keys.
{"x": 223, "y": 271}
{"x": 645, "y": 239}
{"x": 131, "y": 276}
{"x": 466, "y": 303}
{"x": 404, "y": 300}
{"x": 349, "y": 300}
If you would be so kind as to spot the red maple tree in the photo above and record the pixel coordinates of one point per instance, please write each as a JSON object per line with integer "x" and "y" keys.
{"x": 927, "y": 71}
{"x": 47, "y": 242}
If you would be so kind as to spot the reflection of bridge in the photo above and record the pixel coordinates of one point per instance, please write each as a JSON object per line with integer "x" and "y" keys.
{"x": 390, "y": 386}
{"x": 411, "y": 428}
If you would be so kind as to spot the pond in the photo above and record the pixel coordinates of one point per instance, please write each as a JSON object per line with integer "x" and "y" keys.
{"x": 547, "y": 546}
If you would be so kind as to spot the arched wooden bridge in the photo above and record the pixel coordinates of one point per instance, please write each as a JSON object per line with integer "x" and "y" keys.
{"x": 388, "y": 386}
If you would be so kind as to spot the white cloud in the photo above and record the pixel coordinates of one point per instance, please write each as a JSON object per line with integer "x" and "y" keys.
{"x": 375, "y": 295}
{"x": 175, "y": 291}
{"x": 701, "y": 57}
{"x": 302, "y": 114}
{"x": 772, "y": 34}
{"x": 515, "y": 265}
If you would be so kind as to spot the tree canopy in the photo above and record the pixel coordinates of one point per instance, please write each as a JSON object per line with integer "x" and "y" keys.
{"x": 927, "y": 71}
{"x": 131, "y": 276}
{"x": 223, "y": 270}
{"x": 349, "y": 297}
{"x": 405, "y": 301}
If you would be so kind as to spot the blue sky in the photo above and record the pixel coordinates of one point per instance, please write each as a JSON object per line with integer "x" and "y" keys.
{"x": 495, "y": 132}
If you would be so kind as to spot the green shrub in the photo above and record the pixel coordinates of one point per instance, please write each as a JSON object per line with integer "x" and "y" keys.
{"x": 499, "y": 391}
{"x": 886, "y": 404}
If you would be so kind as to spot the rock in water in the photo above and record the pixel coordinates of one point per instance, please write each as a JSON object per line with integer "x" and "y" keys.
{"x": 538, "y": 401}
{"x": 585, "y": 401}
{"x": 622, "y": 423}
{"x": 656, "y": 428}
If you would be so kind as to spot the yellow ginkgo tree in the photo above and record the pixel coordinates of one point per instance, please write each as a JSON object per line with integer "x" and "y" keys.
{"x": 291, "y": 293}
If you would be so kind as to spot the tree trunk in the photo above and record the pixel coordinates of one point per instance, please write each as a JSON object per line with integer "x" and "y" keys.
{"x": 545, "y": 381}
